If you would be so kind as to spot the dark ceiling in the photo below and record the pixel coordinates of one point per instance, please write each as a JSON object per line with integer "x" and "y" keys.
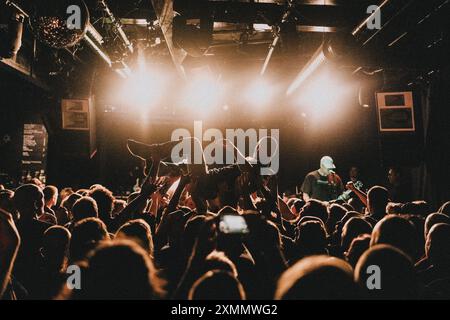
{"x": 229, "y": 35}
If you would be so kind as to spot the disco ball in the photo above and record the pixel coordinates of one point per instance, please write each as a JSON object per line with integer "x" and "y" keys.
{"x": 49, "y": 22}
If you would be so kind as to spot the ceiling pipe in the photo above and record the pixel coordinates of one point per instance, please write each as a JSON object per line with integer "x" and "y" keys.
{"x": 117, "y": 25}
{"x": 17, "y": 7}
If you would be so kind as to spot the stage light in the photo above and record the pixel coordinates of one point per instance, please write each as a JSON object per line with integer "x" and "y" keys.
{"x": 259, "y": 93}
{"x": 143, "y": 87}
{"x": 316, "y": 61}
{"x": 331, "y": 50}
{"x": 325, "y": 95}
{"x": 202, "y": 93}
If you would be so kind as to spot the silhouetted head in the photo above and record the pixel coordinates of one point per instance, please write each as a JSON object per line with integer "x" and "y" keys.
{"x": 29, "y": 201}
{"x": 217, "y": 285}
{"x": 50, "y": 195}
{"x": 398, "y": 232}
{"x": 311, "y": 238}
{"x": 69, "y": 201}
{"x": 318, "y": 278}
{"x": 139, "y": 231}
{"x": 86, "y": 235}
{"x": 352, "y": 229}
{"x": 377, "y": 199}
{"x": 445, "y": 208}
{"x": 55, "y": 246}
{"x": 217, "y": 260}
{"x": 315, "y": 208}
{"x": 358, "y": 246}
{"x": 65, "y": 192}
{"x": 433, "y": 219}
{"x": 336, "y": 213}
{"x": 83, "y": 208}
{"x": 104, "y": 199}
{"x": 385, "y": 272}
{"x": 420, "y": 208}
{"x": 437, "y": 247}
{"x": 119, "y": 270}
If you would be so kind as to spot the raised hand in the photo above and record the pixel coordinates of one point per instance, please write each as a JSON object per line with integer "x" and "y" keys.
{"x": 350, "y": 186}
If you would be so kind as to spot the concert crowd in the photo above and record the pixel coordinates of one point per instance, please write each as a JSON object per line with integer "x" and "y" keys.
{"x": 227, "y": 234}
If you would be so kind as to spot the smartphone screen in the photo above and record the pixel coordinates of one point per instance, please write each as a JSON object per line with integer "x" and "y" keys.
{"x": 233, "y": 224}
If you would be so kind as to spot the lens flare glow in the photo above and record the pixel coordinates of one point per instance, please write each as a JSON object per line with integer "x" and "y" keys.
{"x": 203, "y": 93}
{"x": 259, "y": 93}
{"x": 325, "y": 95}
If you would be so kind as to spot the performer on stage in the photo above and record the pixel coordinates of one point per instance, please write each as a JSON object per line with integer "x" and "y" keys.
{"x": 323, "y": 184}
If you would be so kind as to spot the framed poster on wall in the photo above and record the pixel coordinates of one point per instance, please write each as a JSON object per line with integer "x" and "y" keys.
{"x": 75, "y": 114}
{"x": 395, "y": 111}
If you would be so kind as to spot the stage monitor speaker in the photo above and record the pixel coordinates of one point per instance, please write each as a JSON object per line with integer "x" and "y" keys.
{"x": 395, "y": 111}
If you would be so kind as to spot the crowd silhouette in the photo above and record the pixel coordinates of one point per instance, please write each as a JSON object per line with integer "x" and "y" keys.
{"x": 167, "y": 241}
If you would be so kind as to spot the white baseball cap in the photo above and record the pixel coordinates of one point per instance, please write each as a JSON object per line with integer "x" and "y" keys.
{"x": 327, "y": 162}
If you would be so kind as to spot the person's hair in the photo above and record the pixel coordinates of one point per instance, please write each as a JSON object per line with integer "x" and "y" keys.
{"x": 85, "y": 207}
{"x": 217, "y": 260}
{"x": 50, "y": 192}
{"x": 55, "y": 246}
{"x": 139, "y": 231}
{"x": 25, "y": 199}
{"x": 69, "y": 201}
{"x": 317, "y": 278}
{"x": 311, "y": 238}
{"x": 397, "y": 278}
{"x": 358, "y": 246}
{"x": 315, "y": 208}
{"x": 420, "y": 208}
{"x": 398, "y": 232}
{"x": 119, "y": 270}
{"x": 394, "y": 208}
{"x": 398, "y": 171}
{"x": 217, "y": 285}
{"x": 437, "y": 246}
{"x": 352, "y": 229}
{"x": 445, "y": 208}
{"x": 105, "y": 201}
{"x": 433, "y": 219}
{"x": 377, "y": 199}
{"x": 336, "y": 213}
{"x": 86, "y": 235}
{"x": 65, "y": 192}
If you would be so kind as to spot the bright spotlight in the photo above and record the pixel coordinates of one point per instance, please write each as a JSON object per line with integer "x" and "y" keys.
{"x": 324, "y": 94}
{"x": 203, "y": 92}
{"x": 143, "y": 87}
{"x": 259, "y": 93}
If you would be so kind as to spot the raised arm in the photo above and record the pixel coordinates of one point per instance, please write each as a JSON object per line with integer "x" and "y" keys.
{"x": 9, "y": 246}
{"x": 361, "y": 195}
